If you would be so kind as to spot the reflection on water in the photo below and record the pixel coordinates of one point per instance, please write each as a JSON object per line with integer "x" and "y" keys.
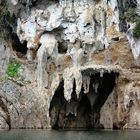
{"x": 69, "y": 135}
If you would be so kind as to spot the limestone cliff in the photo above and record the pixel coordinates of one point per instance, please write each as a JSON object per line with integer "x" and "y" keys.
{"x": 69, "y": 64}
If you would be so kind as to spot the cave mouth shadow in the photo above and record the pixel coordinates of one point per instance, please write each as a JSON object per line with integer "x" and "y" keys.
{"x": 82, "y": 112}
{"x": 18, "y": 47}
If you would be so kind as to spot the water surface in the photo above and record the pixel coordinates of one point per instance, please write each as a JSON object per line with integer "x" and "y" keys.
{"x": 69, "y": 135}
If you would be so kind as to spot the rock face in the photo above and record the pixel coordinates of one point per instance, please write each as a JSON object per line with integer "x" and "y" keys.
{"x": 77, "y": 69}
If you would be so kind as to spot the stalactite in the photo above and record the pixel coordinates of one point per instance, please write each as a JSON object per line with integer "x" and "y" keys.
{"x": 96, "y": 85}
{"x": 76, "y": 55}
{"x": 42, "y": 75}
{"x": 68, "y": 83}
{"x": 92, "y": 95}
{"x": 86, "y": 83}
{"x": 47, "y": 49}
{"x": 101, "y": 73}
{"x": 78, "y": 82}
{"x": 69, "y": 76}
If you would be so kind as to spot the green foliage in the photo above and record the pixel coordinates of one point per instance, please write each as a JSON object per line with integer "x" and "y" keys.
{"x": 131, "y": 15}
{"x": 12, "y": 70}
{"x": 6, "y": 20}
{"x": 136, "y": 30}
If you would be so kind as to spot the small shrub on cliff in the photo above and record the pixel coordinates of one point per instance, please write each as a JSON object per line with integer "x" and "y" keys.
{"x": 131, "y": 15}
{"x": 136, "y": 31}
{"x": 12, "y": 70}
{"x": 6, "y": 20}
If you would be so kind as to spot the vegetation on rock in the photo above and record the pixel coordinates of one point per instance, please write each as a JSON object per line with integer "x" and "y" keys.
{"x": 6, "y": 20}
{"x": 12, "y": 70}
{"x": 136, "y": 31}
{"x": 132, "y": 16}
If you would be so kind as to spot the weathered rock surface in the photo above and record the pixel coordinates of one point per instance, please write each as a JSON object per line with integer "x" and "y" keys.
{"x": 77, "y": 68}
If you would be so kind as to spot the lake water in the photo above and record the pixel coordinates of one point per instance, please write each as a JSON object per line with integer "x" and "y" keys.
{"x": 69, "y": 135}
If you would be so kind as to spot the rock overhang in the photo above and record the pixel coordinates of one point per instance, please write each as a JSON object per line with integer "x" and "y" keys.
{"x": 91, "y": 69}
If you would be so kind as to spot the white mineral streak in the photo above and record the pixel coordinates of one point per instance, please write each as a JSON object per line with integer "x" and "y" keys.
{"x": 134, "y": 43}
{"x": 101, "y": 31}
{"x": 41, "y": 72}
{"x": 47, "y": 49}
{"x": 115, "y": 16}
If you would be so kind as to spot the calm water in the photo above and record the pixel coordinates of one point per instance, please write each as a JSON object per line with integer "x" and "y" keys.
{"x": 68, "y": 135}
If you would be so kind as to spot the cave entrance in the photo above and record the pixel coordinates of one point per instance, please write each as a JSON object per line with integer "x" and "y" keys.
{"x": 83, "y": 112}
{"x": 18, "y": 47}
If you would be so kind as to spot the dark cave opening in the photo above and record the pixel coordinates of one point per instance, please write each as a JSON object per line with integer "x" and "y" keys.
{"x": 17, "y": 46}
{"x": 62, "y": 47}
{"x": 83, "y": 112}
{"x": 100, "y": 89}
{"x": 57, "y": 106}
